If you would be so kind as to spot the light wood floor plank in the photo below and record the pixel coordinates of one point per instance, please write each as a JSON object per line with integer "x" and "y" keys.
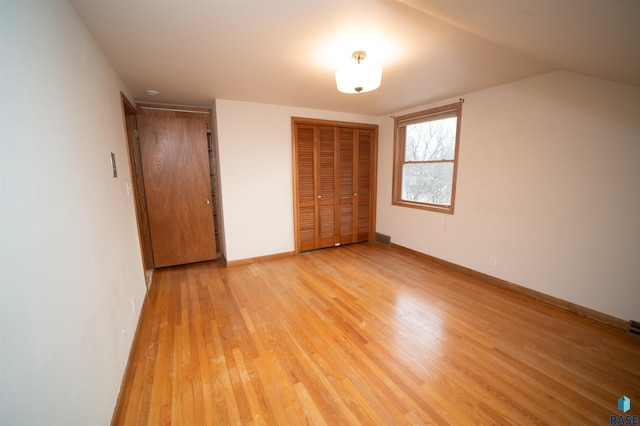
{"x": 365, "y": 334}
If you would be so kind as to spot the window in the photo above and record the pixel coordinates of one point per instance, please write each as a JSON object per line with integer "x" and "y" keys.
{"x": 426, "y": 158}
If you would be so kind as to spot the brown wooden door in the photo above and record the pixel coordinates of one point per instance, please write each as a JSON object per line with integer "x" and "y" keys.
{"x": 334, "y": 184}
{"x": 306, "y": 186}
{"x": 364, "y": 187}
{"x": 355, "y": 160}
{"x": 326, "y": 187}
{"x": 348, "y": 206}
{"x": 316, "y": 181}
{"x": 175, "y": 165}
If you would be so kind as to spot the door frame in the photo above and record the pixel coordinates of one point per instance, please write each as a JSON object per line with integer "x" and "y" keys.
{"x": 130, "y": 115}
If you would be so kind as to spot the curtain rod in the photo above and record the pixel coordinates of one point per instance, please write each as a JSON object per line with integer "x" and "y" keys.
{"x": 461, "y": 100}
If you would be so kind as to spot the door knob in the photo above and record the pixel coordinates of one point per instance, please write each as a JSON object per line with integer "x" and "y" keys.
{"x": 319, "y": 196}
{"x": 208, "y": 202}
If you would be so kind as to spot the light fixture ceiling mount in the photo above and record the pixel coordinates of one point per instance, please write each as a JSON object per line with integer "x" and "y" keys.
{"x": 358, "y": 78}
{"x": 358, "y": 55}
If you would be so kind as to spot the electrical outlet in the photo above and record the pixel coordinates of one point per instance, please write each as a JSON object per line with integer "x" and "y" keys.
{"x": 493, "y": 261}
{"x": 133, "y": 304}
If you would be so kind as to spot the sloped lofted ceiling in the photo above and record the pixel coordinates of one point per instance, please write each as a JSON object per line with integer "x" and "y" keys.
{"x": 286, "y": 52}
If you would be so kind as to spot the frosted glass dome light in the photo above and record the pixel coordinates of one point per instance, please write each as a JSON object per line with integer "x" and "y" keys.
{"x": 358, "y": 78}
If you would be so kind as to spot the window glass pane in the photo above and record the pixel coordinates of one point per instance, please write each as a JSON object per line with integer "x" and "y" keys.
{"x": 427, "y": 183}
{"x": 432, "y": 140}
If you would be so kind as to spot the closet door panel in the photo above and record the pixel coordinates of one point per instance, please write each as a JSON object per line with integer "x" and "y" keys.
{"x": 347, "y": 153}
{"x": 306, "y": 176}
{"x": 364, "y": 187}
{"x": 326, "y": 186}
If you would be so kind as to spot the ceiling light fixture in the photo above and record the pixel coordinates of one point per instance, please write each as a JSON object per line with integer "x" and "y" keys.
{"x": 152, "y": 92}
{"x": 358, "y": 78}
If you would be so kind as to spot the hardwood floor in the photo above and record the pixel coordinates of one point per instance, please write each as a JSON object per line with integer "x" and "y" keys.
{"x": 365, "y": 334}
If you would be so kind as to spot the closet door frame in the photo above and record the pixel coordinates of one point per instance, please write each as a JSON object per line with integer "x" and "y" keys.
{"x": 373, "y": 128}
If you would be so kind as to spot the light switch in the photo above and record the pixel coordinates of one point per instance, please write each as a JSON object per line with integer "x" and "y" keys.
{"x": 113, "y": 165}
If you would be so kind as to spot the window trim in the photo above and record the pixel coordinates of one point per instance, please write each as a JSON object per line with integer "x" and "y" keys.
{"x": 399, "y": 156}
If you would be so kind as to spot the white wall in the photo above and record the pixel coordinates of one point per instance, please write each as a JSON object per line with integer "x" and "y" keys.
{"x": 256, "y": 174}
{"x": 549, "y": 182}
{"x": 70, "y": 259}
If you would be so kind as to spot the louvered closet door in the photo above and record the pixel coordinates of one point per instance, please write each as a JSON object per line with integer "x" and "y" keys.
{"x": 347, "y": 184}
{"x": 355, "y": 156}
{"x": 364, "y": 185}
{"x": 334, "y": 183}
{"x": 306, "y": 187}
{"x": 316, "y": 164}
{"x": 326, "y": 187}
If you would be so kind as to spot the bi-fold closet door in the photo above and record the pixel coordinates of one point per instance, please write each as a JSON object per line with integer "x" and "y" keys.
{"x": 334, "y": 166}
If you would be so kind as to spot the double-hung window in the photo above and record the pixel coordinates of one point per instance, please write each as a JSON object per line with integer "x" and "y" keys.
{"x": 426, "y": 158}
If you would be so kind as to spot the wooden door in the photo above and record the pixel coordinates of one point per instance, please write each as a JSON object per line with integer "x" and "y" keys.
{"x": 316, "y": 180}
{"x": 364, "y": 185}
{"x": 175, "y": 165}
{"x": 348, "y": 152}
{"x": 355, "y": 184}
{"x": 326, "y": 187}
{"x": 306, "y": 186}
{"x": 334, "y": 182}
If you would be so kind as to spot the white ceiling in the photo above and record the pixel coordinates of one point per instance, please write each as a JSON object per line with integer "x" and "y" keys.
{"x": 286, "y": 51}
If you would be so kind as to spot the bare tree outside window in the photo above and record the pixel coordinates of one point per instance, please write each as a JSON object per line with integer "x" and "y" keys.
{"x": 425, "y": 159}
{"x": 424, "y": 177}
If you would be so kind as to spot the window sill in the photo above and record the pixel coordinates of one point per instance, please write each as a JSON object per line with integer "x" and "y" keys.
{"x": 424, "y": 206}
